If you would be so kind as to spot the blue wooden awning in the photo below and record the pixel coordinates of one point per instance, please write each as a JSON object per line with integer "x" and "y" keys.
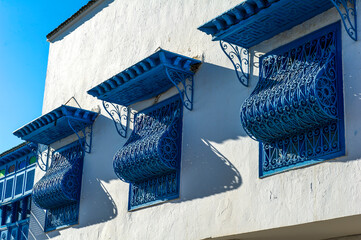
{"x": 55, "y": 125}
{"x": 254, "y": 21}
{"x": 17, "y": 152}
{"x": 145, "y": 79}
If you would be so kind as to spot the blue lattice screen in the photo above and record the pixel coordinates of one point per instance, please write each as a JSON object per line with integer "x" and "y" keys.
{"x": 58, "y": 191}
{"x": 296, "y": 109}
{"x": 150, "y": 159}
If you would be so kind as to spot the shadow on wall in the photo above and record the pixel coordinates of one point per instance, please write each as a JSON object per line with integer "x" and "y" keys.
{"x": 217, "y": 105}
{"x": 96, "y": 209}
{"x": 207, "y": 173}
{"x": 216, "y": 118}
{"x": 97, "y": 205}
{"x": 84, "y": 19}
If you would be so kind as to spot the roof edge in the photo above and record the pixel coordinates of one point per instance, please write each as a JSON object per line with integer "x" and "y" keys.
{"x": 13, "y": 149}
{"x": 83, "y": 11}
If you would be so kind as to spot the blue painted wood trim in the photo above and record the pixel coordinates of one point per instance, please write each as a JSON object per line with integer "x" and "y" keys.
{"x": 54, "y": 125}
{"x": 254, "y": 21}
{"x": 144, "y": 79}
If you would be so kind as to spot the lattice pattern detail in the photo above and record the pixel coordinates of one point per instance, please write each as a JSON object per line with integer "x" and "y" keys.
{"x": 152, "y": 152}
{"x": 61, "y": 183}
{"x": 58, "y": 190}
{"x": 296, "y": 107}
{"x": 153, "y": 190}
{"x": 62, "y": 216}
{"x": 318, "y": 142}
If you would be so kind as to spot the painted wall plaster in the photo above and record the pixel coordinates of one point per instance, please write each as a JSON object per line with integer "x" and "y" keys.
{"x": 221, "y": 193}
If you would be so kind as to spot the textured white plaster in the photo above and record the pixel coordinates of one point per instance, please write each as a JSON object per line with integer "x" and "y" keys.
{"x": 220, "y": 192}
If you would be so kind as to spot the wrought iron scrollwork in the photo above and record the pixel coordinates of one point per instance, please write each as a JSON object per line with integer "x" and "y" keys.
{"x": 295, "y": 109}
{"x": 61, "y": 183}
{"x": 119, "y": 115}
{"x": 85, "y": 136}
{"x": 348, "y": 15}
{"x": 152, "y": 148}
{"x": 150, "y": 159}
{"x": 43, "y": 154}
{"x": 240, "y": 59}
{"x": 58, "y": 191}
{"x": 186, "y": 80}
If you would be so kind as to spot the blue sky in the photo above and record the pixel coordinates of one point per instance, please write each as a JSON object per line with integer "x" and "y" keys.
{"x": 24, "y": 25}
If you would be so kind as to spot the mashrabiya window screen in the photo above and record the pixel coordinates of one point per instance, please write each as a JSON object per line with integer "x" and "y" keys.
{"x": 150, "y": 159}
{"x": 296, "y": 109}
{"x": 58, "y": 191}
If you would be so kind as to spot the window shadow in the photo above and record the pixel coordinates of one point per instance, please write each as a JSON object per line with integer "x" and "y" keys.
{"x": 98, "y": 171}
{"x": 205, "y": 172}
{"x": 218, "y": 96}
{"x": 98, "y": 199}
{"x": 206, "y": 169}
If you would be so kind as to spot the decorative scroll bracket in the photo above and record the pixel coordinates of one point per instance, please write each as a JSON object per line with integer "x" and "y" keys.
{"x": 85, "y": 137}
{"x": 240, "y": 59}
{"x": 186, "y": 79}
{"x": 119, "y": 115}
{"x": 348, "y": 16}
{"x": 43, "y": 153}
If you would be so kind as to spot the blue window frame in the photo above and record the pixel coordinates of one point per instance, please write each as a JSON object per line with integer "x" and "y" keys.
{"x": 14, "y": 234}
{"x": 19, "y": 184}
{"x": 2, "y": 182}
{"x": 29, "y": 181}
{"x": 15, "y": 219}
{"x": 9, "y": 188}
{"x": 296, "y": 109}
{"x": 17, "y": 178}
{"x": 17, "y": 171}
{"x": 4, "y": 234}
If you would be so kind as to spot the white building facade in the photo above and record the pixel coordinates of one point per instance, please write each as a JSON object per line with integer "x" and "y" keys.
{"x": 221, "y": 188}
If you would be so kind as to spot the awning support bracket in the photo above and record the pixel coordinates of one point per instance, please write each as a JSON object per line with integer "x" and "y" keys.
{"x": 186, "y": 80}
{"x": 43, "y": 153}
{"x": 119, "y": 115}
{"x": 240, "y": 59}
{"x": 348, "y": 16}
{"x": 86, "y": 137}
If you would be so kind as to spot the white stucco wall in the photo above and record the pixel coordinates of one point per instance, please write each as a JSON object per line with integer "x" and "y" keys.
{"x": 220, "y": 192}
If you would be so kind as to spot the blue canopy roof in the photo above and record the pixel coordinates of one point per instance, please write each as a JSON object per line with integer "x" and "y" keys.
{"x": 54, "y": 125}
{"x": 145, "y": 79}
{"x": 254, "y": 21}
{"x": 17, "y": 152}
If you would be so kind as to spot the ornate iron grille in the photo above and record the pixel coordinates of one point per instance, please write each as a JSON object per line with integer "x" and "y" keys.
{"x": 58, "y": 190}
{"x": 296, "y": 109}
{"x": 150, "y": 159}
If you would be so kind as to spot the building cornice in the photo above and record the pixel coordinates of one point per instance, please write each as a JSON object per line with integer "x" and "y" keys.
{"x": 83, "y": 11}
